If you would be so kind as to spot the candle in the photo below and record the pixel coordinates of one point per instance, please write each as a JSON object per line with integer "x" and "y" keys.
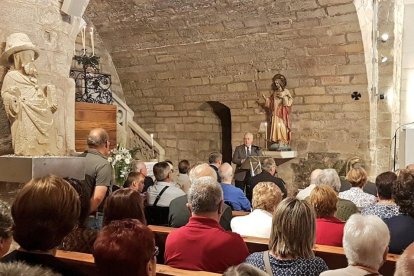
{"x": 92, "y": 42}
{"x": 152, "y": 140}
{"x": 266, "y": 135}
{"x": 83, "y": 39}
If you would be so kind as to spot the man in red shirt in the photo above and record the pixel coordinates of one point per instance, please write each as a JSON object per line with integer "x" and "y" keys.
{"x": 202, "y": 244}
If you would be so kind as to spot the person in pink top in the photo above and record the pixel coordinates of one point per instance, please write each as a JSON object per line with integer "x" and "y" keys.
{"x": 329, "y": 229}
{"x": 202, "y": 244}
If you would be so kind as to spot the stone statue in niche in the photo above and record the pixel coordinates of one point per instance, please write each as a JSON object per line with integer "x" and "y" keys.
{"x": 29, "y": 106}
{"x": 278, "y": 104}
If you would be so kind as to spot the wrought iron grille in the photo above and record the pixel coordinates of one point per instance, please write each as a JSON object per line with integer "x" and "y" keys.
{"x": 92, "y": 87}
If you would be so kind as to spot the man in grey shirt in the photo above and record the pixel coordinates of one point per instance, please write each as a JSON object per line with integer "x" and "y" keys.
{"x": 98, "y": 174}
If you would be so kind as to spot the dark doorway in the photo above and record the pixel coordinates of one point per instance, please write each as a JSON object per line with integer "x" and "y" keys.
{"x": 224, "y": 115}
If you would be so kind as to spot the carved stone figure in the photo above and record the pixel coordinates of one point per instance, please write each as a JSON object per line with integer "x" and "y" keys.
{"x": 279, "y": 104}
{"x": 29, "y": 107}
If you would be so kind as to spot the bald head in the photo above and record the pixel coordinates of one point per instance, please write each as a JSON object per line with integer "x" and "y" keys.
{"x": 226, "y": 173}
{"x": 201, "y": 172}
{"x": 410, "y": 167}
{"x": 314, "y": 175}
{"x": 97, "y": 138}
{"x": 139, "y": 166}
{"x": 405, "y": 264}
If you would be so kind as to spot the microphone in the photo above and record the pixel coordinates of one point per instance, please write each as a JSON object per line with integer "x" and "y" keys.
{"x": 395, "y": 141}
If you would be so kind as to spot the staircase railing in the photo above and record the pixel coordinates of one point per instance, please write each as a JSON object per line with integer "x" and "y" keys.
{"x": 131, "y": 135}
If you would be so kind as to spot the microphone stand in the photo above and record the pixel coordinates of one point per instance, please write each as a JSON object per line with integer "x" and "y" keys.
{"x": 395, "y": 141}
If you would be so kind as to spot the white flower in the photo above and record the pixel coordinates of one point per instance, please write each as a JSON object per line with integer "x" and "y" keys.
{"x": 110, "y": 159}
{"x": 118, "y": 157}
{"x": 127, "y": 161}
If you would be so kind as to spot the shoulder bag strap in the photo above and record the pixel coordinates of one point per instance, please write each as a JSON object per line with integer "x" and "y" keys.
{"x": 266, "y": 259}
{"x": 159, "y": 195}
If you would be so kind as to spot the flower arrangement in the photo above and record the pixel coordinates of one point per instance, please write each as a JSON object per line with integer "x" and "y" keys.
{"x": 120, "y": 159}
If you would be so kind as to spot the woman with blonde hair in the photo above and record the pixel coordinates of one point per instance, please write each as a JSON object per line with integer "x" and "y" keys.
{"x": 266, "y": 197}
{"x": 291, "y": 242}
{"x": 358, "y": 178}
{"x": 329, "y": 229}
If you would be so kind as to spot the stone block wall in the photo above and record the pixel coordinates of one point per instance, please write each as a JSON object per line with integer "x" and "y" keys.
{"x": 172, "y": 57}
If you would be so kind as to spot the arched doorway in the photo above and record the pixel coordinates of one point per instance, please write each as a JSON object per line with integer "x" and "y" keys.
{"x": 223, "y": 113}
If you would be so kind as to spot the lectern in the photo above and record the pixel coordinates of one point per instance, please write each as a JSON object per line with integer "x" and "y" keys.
{"x": 253, "y": 164}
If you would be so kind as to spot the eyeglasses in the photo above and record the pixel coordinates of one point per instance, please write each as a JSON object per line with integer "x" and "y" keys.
{"x": 156, "y": 251}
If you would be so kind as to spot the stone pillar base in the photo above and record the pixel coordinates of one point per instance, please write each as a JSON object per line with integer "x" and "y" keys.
{"x": 21, "y": 169}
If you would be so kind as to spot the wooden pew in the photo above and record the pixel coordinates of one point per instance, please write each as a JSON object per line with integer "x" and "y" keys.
{"x": 239, "y": 213}
{"x": 165, "y": 270}
{"x": 85, "y": 263}
{"x": 332, "y": 255}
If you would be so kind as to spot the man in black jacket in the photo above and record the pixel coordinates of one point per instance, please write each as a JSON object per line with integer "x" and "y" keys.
{"x": 267, "y": 175}
{"x": 241, "y": 153}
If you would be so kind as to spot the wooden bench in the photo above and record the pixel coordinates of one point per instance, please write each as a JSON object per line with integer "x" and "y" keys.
{"x": 239, "y": 213}
{"x": 333, "y": 256}
{"x": 85, "y": 263}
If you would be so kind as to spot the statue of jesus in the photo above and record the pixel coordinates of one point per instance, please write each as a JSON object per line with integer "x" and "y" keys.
{"x": 279, "y": 104}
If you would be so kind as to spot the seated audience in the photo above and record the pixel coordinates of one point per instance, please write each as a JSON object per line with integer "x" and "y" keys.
{"x": 233, "y": 196}
{"x": 358, "y": 177}
{"x": 6, "y": 223}
{"x": 267, "y": 175}
{"x": 183, "y": 180}
{"x": 125, "y": 247}
{"x": 401, "y": 226}
{"x": 164, "y": 190}
{"x": 329, "y": 229}
{"x": 365, "y": 241}
{"x": 385, "y": 207}
{"x": 139, "y": 166}
{"x": 135, "y": 181}
{"x": 356, "y": 162}
{"x": 243, "y": 270}
{"x": 124, "y": 204}
{"x": 215, "y": 160}
{"x": 23, "y": 269}
{"x": 291, "y": 242}
{"x": 45, "y": 210}
{"x": 306, "y": 192}
{"x": 81, "y": 238}
{"x": 344, "y": 208}
{"x": 405, "y": 263}
{"x": 202, "y": 244}
{"x": 179, "y": 214}
{"x": 266, "y": 197}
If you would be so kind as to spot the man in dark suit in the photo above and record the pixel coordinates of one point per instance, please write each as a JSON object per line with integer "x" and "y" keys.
{"x": 267, "y": 175}
{"x": 215, "y": 160}
{"x": 241, "y": 153}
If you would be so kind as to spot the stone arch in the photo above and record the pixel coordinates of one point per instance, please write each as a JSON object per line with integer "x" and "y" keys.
{"x": 224, "y": 115}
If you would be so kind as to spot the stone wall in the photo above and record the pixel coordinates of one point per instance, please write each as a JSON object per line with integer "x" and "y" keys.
{"x": 172, "y": 57}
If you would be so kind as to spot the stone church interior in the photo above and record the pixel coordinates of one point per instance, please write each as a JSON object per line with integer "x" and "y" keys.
{"x": 227, "y": 137}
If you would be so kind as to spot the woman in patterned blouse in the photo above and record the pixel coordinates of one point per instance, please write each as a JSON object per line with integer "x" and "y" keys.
{"x": 385, "y": 207}
{"x": 358, "y": 177}
{"x": 291, "y": 242}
